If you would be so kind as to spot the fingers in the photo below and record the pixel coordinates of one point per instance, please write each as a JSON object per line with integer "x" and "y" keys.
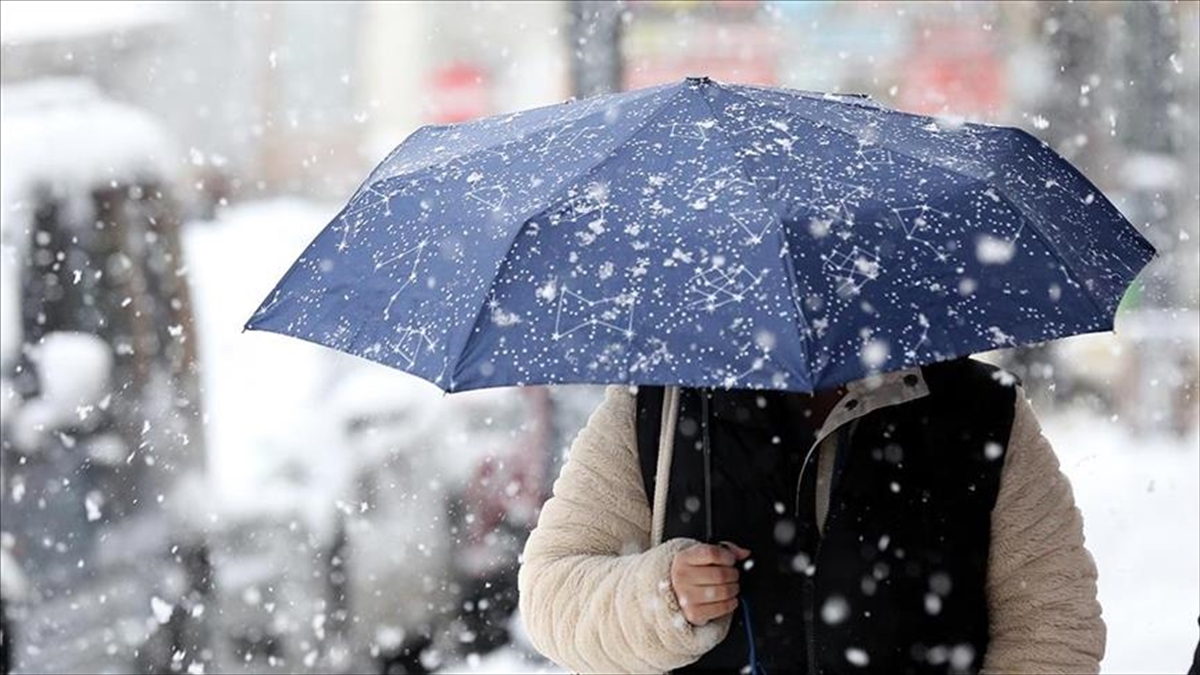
{"x": 705, "y": 580}
{"x": 703, "y": 595}
{"x": 707, "y": 575}
{"x": 698, "y": 615}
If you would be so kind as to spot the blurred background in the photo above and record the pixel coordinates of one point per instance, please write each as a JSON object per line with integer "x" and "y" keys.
{"x": 181, "y": 497}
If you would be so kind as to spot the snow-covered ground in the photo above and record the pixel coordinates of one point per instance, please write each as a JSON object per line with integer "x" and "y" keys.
{"x": 508, "y": 660}
{"x": 1140, "y": 498}
{"x": 517, "y": 657}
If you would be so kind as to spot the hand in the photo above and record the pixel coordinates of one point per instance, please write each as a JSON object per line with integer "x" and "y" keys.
{"x": 705, "y": 580}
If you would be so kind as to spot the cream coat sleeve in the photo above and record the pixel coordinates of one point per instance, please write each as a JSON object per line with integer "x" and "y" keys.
{"x": 594, "y": 596}
{"x": 1044, "y": 616}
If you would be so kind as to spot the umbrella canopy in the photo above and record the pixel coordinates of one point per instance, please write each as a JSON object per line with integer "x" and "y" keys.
{"x": 710, "y": 235}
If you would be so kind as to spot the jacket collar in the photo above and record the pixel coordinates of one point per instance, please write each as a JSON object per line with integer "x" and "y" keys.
{"x": 872, "y": 393}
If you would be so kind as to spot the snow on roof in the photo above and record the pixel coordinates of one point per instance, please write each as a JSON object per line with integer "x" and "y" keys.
{"x": 270, "y": 452}
{"x": 22, "y": 21}
{"x": 64, "y": 133}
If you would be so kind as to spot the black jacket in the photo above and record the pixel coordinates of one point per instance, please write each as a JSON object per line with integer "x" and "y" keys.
{"x": 896, "y": 583}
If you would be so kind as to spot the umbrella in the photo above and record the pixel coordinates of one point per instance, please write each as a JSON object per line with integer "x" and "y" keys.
{"x": 709, "y": 235}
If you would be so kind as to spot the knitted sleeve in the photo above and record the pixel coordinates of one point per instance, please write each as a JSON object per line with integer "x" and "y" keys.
{"x": 594, "y": 596}
{"x": 1044, "y": 616}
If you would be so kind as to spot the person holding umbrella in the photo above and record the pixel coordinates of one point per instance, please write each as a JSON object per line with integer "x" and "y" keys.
{"x": 796, "y": 469}
{"x": 929, "y": 531}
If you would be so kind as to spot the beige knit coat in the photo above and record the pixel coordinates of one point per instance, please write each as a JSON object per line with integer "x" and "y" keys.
{"x": 596, "y": 596}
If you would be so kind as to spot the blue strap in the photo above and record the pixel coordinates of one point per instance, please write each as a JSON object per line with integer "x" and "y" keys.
{"x": 755, "y": 668}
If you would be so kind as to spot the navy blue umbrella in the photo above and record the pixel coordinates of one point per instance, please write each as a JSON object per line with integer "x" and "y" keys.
{"x": 710, "y": 235}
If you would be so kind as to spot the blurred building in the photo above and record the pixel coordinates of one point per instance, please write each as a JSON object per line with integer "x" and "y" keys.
{"x": 101, "y": 437}
{"x": 298, "y": 98}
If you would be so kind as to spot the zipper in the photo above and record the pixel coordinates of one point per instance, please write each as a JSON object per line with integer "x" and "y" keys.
{"x": 810, "y": 650}
{"x": 809, "y": 601}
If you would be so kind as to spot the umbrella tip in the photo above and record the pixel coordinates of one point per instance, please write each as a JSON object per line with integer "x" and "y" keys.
{"x": 698, "y": 79}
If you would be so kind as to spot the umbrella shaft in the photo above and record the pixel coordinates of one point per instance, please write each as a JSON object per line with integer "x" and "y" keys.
{"x": 706, "y": 445}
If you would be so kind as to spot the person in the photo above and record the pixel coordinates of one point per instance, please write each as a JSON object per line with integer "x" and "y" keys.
{"x": 914, "y": 522}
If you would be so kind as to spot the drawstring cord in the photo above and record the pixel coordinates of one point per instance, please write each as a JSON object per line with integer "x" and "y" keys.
{"x": 754, "y": 667}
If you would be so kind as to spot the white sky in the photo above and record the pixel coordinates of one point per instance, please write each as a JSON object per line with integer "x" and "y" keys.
{"x": 26, "y": 21}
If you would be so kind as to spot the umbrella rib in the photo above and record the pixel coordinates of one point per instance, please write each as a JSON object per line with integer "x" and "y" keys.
{"x": 1050, "y": 246}
{"x": 859, "y": 101}
{"x": 788, "y": 261}
{"x": 551, "y": 200}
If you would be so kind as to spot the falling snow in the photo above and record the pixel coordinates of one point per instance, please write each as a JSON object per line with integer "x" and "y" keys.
{"x": 180, "y": 496}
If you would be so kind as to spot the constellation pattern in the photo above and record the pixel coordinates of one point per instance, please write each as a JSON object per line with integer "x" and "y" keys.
{"x": 591, "y": 200}
{"x": 352, "y": 218}
{"x": 492, "y": 196}
{"x": 839, "y": 200}
{"x": 874, "y": 157}
{"x": 716, "y": 287}
{"x": 408, "y": 259}
{"x": 914, "y": 350}
{"x": 708, "y": 187}
{"x": 918, "y": 224}
{"x": 576, "y": 311}
{"x": 569, "y": 137}
{"x": 411, "y": 342}
{"x": 852, "y": 269}
{"x": 692, "y": 130}
{"x": 754, "y": 222}
{"x": 732, "y": 378}
{"x": 658, "y": 353}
